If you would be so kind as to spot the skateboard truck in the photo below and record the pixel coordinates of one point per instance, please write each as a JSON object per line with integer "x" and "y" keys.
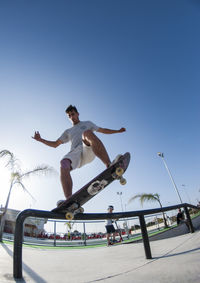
{"x": 72, "y": 210}
{"x": 70, "y": 214}
{"x": 118, "y": 175}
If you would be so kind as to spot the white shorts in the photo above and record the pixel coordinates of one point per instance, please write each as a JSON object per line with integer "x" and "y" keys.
{"x": 80, "y": 156}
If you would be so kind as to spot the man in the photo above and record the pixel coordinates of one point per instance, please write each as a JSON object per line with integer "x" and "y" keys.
{"x": 85, "y": 145}
{"x": 180, "y": 219}
{"x": 110, "y": 229}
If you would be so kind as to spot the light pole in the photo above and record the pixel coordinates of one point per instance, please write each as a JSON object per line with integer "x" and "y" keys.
{"x": 185, "y": 188}
{"x": 125, "y": 224}
{"x": 120, "y": 195}
{"x": 170, "y": 175}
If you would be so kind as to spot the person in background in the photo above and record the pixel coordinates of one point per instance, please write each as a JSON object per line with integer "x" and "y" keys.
{"x": 110, "y": 229}
{"x": 180, "y": 219}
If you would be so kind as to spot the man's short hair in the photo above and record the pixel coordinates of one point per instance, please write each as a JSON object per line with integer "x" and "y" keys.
{"x": 71, "y": 108}
{"x": 110, "y": 207}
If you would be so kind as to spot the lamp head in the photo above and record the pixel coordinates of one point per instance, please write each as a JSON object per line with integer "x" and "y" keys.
{"x": 160, "y": 154}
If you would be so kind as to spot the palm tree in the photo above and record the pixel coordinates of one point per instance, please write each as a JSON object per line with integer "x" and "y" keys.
{"x": 150, "y": 197}
{"x": 17, "y": 177}
{"x": 69, "y": 225}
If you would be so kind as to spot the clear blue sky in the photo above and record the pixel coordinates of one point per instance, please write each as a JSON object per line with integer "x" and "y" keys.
{"x": 132, "y": 64}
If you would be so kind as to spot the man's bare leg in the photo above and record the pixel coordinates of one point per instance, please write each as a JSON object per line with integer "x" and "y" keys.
{"x": 108, "y": 238}
{"x": 90, "y": 139}
{"x": 65, "y": 178}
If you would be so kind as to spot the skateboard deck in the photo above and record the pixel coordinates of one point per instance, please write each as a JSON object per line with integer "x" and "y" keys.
{"x": 112, "y": 243}
{"x": 73, "y": 205}
{"x": 119, "y": 231}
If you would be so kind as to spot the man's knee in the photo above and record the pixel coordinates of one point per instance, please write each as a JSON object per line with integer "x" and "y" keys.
{"x": 65, "y": 164}
{"x": 88, "y": 136}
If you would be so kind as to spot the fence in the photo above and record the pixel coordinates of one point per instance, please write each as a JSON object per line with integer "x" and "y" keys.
{"x": 76, "y": 233}
{"x": 18, "y": 238}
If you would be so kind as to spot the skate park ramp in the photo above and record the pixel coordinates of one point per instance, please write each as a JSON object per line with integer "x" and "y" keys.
{"x": 176, "y": 231}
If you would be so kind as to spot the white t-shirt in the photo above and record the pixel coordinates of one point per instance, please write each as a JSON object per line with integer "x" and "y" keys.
{"x": 74, "y": 134}
{"x": 109, "y": 222}
{"x": 78, "y": 155}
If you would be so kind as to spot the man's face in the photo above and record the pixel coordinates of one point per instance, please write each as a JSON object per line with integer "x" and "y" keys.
{"x": 73, "y": 117}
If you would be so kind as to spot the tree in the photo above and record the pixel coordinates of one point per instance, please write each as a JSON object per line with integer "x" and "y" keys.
{"x": 150, "y": 197}
{"x": 17, "y": 178}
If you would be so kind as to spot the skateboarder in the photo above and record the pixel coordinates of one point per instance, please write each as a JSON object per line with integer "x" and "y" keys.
{"x": 85, "y": 145}
{"x": 110, "y": 229}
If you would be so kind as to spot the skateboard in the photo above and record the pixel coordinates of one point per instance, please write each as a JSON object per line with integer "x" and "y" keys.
{"x": 73, "y": 205}
{"x": 112, "y": 243}
{"x": 119, "y": 231}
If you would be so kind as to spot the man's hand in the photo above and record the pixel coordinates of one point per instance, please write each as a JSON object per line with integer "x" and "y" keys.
{"x": 37, "y": 136}
{"x": 122, "y": 130}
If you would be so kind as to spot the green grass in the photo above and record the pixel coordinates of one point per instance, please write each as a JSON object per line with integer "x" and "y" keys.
{"x": 133, "y": 239}
{"x": 56, "y": 247}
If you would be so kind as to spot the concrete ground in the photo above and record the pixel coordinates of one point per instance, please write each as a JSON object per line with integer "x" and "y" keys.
{"x": 175, "y": 259}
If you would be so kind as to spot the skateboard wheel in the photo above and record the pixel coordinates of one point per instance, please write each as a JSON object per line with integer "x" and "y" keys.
{"x": 81, "y": 209}
{"x": 119, "y": 171}
{"x": 69, "y": 215}
{"x": 122, "y": 181}
{"x": 73, "y": 206}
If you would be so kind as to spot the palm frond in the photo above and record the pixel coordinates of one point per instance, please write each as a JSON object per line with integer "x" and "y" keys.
{"x": 157, "y": 196}
{"x": 145, "y": 197}
{"x": 24, "y": 188}
{"x": 7, "y": 153}
{"x": 69, "y": 225}
{"x": 39, "y": 170}
{"x": 134, "y": 197}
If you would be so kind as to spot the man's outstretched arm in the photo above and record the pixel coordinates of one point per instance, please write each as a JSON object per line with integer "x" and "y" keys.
{"x": 37, "y": 137}
{"x": 109, "y": 131}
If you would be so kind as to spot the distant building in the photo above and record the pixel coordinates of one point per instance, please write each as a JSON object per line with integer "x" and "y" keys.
{"x": 32, "y": 226}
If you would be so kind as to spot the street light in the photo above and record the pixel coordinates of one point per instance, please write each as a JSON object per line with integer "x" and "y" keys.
{"x": 120, "y": 195}
{"x": 125, "y": 224}
{"x": 160, "y": 154}
{"x": 185, "y": 189}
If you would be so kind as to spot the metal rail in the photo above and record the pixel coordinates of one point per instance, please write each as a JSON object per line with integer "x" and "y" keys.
{"x": 18, "y": 238}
